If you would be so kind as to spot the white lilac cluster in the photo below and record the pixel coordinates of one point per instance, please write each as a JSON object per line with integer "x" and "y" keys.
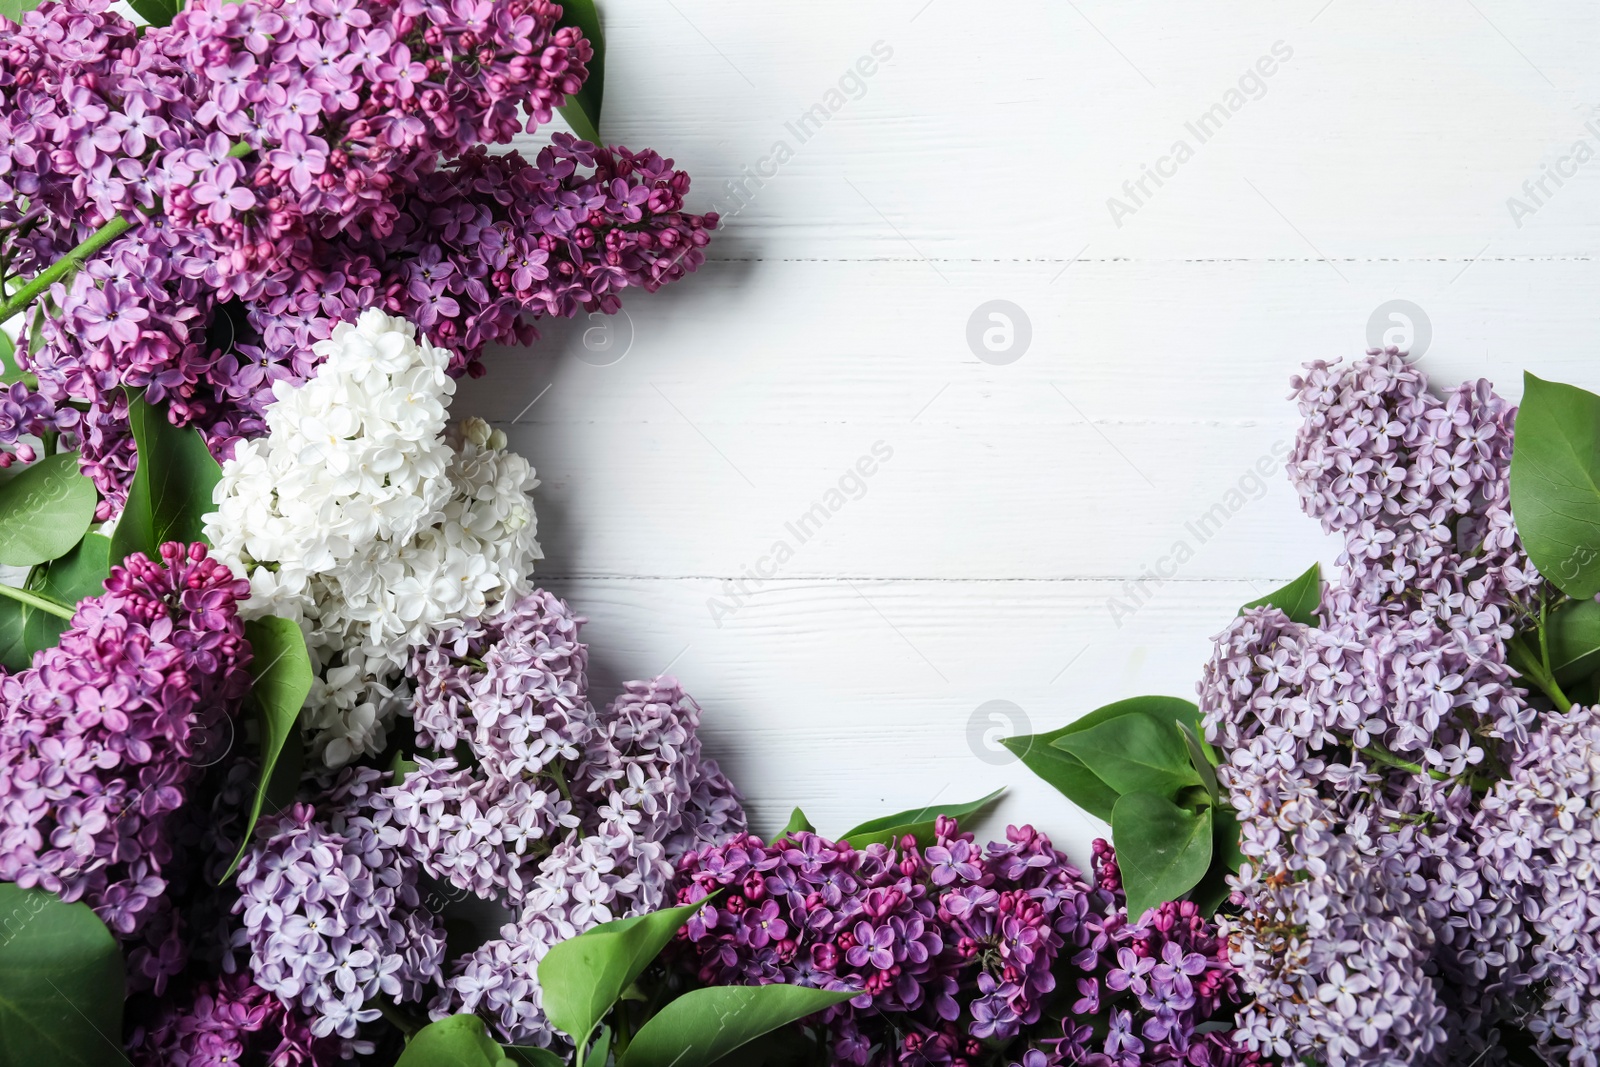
{"x": 1419, "y": 883}
{"x": 361, "y": 517}
{"x": 331, "y": 913}
{"x": 564, "y": 815}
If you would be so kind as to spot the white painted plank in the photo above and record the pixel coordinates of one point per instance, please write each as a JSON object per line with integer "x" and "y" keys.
{"x": 1391, "y": 131}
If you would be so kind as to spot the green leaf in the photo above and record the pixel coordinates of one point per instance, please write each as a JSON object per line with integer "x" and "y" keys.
{"x": 582, "y": 977}
{"x": 1067, "y": 772}
{"x": 78, "y": 574}
{"x": 1162, "y": 850}
{"x": 157, "y": 12}
{"x": 172, "y": 484}
{"x": 1298, "y": 599}
{"x": 61, "y": 987}
{"x": 9, "y": 370}
{"x": 533, "y": 1056}
{"x": 704, "y": 1025}
{"x": 918, "y": 822}
{"x": 798, "y": 823}
{"x": 1555, "y": 484}
{"x": 458, "y": 1041}
{"x": 281, "y": 671}
{"x": 1573, "y": 634}
{"x": 1135, "y": 753}
{"x": 582, "y": 109}
{"x": 45, "y": 510}
{"x": 1199, "y": 761}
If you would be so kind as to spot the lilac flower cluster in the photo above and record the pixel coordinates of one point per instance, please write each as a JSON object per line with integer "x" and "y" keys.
{"x": 563, "y": 816}
{"x": 104, "y": 737}
{"x": 286, "y": 164}
{"x": 331, "y": 913}
{"x": 1400, "y": 797}
{"x": 229, "y": 1021}
{"x": 957, "y": 950}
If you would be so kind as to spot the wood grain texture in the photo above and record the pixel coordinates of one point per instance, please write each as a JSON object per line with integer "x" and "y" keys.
{"x": 980, "y": 561}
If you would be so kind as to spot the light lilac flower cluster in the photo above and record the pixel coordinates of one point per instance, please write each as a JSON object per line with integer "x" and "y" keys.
{"x": 562, "y": 816}
{"x": 957, "y": 950}
{"x": 1386, "y": 764}
{"x": 331, "y": 913}
{"x": 286, "y": 164}
{"x": 229, "y": 1021}
{"x": 103, "y": 739}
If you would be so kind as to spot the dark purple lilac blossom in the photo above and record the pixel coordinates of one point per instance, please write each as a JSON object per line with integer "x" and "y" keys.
{"x": 964, "y": 954}
{"x": 104, "y": 737}
{"x": 362, "y": 180}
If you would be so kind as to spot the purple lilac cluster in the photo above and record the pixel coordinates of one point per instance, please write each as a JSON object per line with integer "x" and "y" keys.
{"x": 104, "y": 737}
{"x": 561, "y": 815}
{"x": 229, "y": 1021}
{"x": 331, "y": 913}
{"x": 1386, "y": 764}
{"x": 286, "y": 164}
{"x": 957, "y": 951}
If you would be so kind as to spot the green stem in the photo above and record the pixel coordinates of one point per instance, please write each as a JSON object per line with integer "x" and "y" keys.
{"x": 33, "y": 600}
{"x": 1531, "y": 668}
{"x": 108, "y": 232}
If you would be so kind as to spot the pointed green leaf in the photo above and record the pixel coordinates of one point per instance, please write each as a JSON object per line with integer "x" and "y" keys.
{"x": 1198, "y": 759}
{"x": 61, "y": 984}
{"x": 918, "y": 822}
{"x": 582, "y": 977}
{"x": 533, "y": 1056}
{"x": 9, "y": 370}
{"x": 78, "y": 574}
{"x": 45, "y": 510}
{"x": 172, "y": 484}
{"x": 14, "y": 654}
{"x": 1298, "y": 600}
{"x": 281, "y": 669}
{"x": 1068, "y": 774}
{"x": 457, "y": 1041}
{"x": 703, "y": 1025}
{"x": 1135, "y": 753}
{"x": 1555, "y": 484}
{"x": 1162, "y": 850}
{"x": 798, "y": 823}
{"x": 582, "y": 109}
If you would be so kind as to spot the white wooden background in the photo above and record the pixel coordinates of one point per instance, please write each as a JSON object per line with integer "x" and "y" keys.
{"x": 1376, "y": 164}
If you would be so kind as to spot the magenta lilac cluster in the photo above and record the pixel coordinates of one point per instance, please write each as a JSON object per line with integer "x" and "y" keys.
{"x": 229, "y": 1021}
{"x": 523, "y": 797}
{"x": 103, "y": 737}
{"x": 286, "y": 164}
{"x": 1412, "y": 891}
{"x": 963, "y": 954}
